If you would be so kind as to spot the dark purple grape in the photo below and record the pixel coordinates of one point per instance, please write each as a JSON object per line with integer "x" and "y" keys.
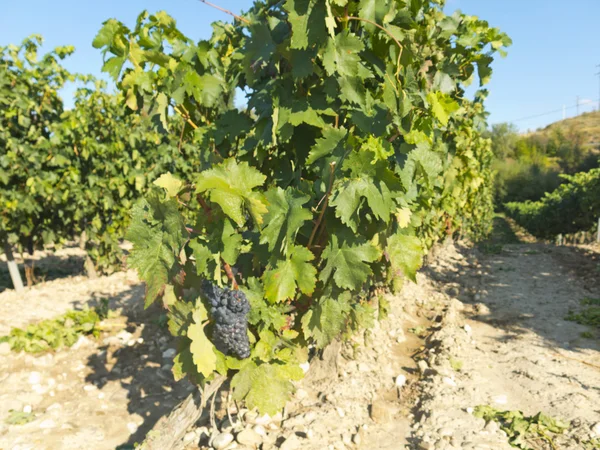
{"x": 229, "y": 310}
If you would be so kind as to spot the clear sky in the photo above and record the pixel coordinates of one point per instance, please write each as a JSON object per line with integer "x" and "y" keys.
{"x": 556, "y": 44}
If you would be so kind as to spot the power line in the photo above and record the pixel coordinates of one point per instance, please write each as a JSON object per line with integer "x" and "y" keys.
{"x": 551, "y": 112}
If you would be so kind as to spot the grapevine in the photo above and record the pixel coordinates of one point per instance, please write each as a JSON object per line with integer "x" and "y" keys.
{"x": 356, "y": 152}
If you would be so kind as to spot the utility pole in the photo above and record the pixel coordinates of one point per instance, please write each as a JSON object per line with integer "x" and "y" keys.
{"x": 577, "y": 106}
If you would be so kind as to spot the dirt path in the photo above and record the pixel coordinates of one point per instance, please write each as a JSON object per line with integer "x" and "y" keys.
{"x": 516, "y": 350}
{"x": 477, "y": 329}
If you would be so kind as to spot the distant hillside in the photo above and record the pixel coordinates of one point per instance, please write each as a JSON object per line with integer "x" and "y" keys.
{"x": 587, "y": 124}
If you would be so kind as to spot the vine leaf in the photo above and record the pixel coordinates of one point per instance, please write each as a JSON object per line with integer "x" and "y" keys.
{"x": 284, "y": 217}
{"x": 330, "y": 139}
{"x": 403, "y": 217}
{"x": 266, "y": 386}
{"x": 307, "y": 18}
{"x": 348, "y": 263}
{"x": 326, "y": 320}
{"x": 169, "y": 183}
{"x": 341, "y": 55}
{"x": 442, "y": 106}
{"x": 367, "y": 182}
{"x": 157, "y": 233}
{"x": 405, "y": 254}
{"x": 230, "y": 185}
{"x": 201, "y": 348}
{"x": 295, "y": 271}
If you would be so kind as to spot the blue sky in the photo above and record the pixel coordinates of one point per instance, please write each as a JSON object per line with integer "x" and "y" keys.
{"x": 556, "y": 44}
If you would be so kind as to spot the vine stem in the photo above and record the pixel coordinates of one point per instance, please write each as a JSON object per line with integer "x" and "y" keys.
{"x": 185, "y": 117}
{"x": 320, "y": 218}
{"x": 230, "y": 275}
{"x": 181, "y": 137}
{"x": 400, "y": 46}
{"x": 226, "y": 11}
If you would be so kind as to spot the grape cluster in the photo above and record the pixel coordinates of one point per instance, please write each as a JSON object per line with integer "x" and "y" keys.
{"x": 229, "y": 311}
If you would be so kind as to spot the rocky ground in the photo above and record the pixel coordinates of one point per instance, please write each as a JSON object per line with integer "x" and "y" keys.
{"x": 478, "y": 328}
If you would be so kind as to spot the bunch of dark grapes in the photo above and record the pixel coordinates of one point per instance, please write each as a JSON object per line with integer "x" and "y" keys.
{"x": 229, "y": 310}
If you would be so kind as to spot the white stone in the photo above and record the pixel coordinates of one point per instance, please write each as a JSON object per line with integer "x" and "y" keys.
{"x": 140, "y": 340}
{"x": 169, "y": 353}
{"x": 89, "y": 387}
{"x": 222, "y": 440}
{"x": 260, "y": 430}
{"x": 468, "y": 329}
{"x": 27, "y": 409}
{"x": 35, "y": 378}
{"x": 305, "y": 366}
{"x": 423, "y": 366}
{"x": 189, "y": 437}
{"x": 131, "y": 342}
{"x": 400, "y": 381}
{"x": 101, "y": 395}
{"x": 301, "y": 394}
{"x": 500, "y": 399}
{"x": 81, "y": 342}
{"x": 124, "y": 336}
{"x": 449, "y": 381}
{"x": 470, "y": 410}
{"x": 249, "y": 437}
{"x": 291, "y": 443}
{"x": 47, "y": 424}
{"x": 132, "y": 427}
{"x": 340, "y": 412}
{"x": 596, "y": 430}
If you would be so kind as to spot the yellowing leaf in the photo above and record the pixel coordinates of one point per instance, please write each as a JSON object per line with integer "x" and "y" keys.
{"x": 202, "y": 349}
{"x": 169, "y": 183}
{"x": 403, "y": 217}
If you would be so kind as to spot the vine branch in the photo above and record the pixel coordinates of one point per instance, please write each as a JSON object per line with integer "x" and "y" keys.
{"x": 386, "y": 31}
{"x": 226, "y": 11}
{"x": 320, "y": 219}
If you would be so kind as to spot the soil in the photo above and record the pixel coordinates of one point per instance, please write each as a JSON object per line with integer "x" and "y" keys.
{"x": 482, "y": 326}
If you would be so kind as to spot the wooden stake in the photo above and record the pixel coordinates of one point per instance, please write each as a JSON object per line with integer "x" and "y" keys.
{"x": 13, "y": 269}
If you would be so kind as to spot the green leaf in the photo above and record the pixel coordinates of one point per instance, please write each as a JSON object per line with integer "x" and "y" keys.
{"x": 326, "y": 320}
{"x": 232, "y": 241}
{"x": 201, "y": 347}
{"x": 307, "y": 19}
{"x": 202, "y": 254}
{"x": 294, "y": 272}
{"x": 169, "y": 183}
{"x": 157, "y": 233}
{"x": 261, "y": 311}
{"x": 442, "y": 106}
{"x": 285, "y": 216}
{"x": 266, "y": 386}
{"x": 348, "y": 263}
{"x": 230, "y": 185}
{"x": 341, "y": 55}
{"x": 107, "y": 34}
{"x": 326, "y": 144}
{"x": 405, "y": 254}
{"x": 366, "y": 183}
{"x": 183, "y": 364}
